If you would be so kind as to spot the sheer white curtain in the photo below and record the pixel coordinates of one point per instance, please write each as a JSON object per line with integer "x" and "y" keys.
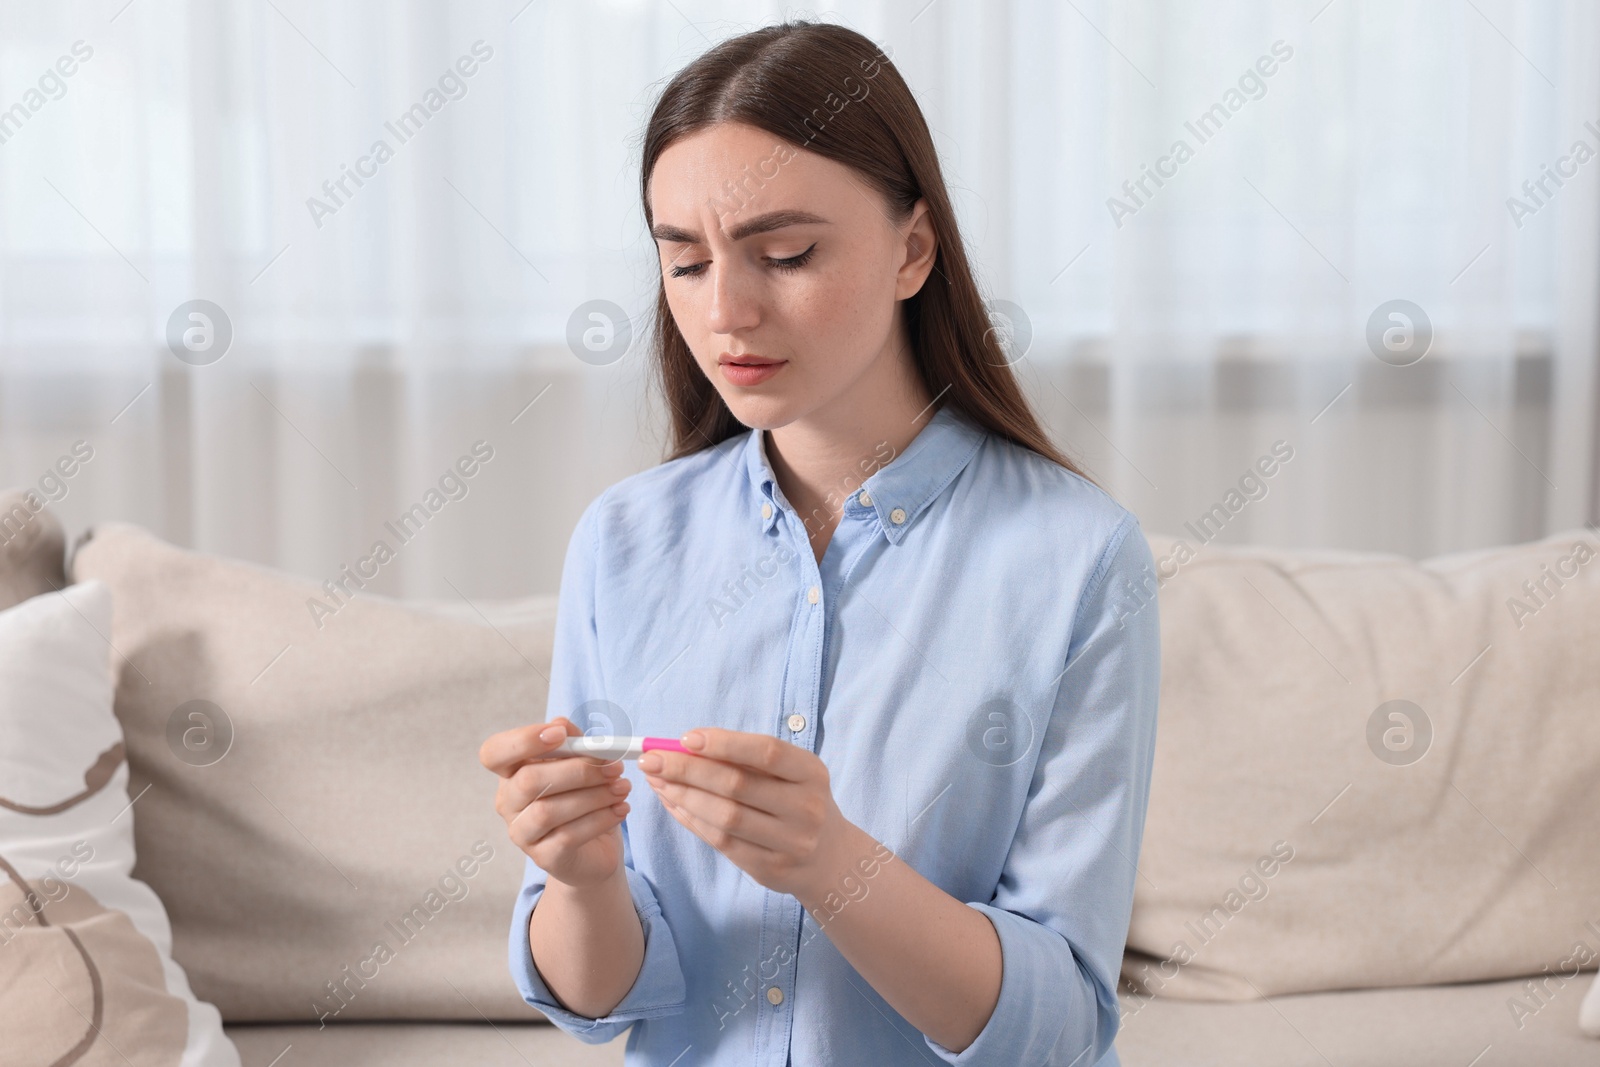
{"x": 389, "y": 309}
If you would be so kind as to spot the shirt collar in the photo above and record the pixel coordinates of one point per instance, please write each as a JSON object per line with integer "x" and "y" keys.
{"x": 899, "y": 488}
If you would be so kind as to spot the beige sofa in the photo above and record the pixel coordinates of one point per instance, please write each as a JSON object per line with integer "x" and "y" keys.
{"x": 347, "y": 801}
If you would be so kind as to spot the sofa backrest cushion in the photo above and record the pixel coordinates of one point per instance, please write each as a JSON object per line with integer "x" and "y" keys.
{"x": 1370, "y": 771}
{"x": 311, "y": 807}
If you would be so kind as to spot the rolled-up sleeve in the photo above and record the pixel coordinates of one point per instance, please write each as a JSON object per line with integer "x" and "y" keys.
{"x": 659, "y": 989}
{"x": 576, "y": 677}
{"x": 1065, "y": 895}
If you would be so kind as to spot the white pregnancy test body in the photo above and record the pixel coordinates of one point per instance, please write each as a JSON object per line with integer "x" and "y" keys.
{"x": 601, "y": 746}
{"x": 609, "y": 746}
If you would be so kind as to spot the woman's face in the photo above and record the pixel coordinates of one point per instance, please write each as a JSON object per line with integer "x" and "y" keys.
{"x": 769, "y": 250}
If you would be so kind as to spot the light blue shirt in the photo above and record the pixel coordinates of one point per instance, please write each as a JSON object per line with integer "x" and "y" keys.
{"x": 976, "y": 660}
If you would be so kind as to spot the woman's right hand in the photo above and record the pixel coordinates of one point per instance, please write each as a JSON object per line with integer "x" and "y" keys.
{"x": 565, "y": 813}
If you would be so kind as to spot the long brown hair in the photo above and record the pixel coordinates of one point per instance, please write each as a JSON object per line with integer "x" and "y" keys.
{"x": 828, "y": 89}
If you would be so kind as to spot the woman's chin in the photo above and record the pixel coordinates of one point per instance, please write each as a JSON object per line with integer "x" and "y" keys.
{"x": 760, "y": 412}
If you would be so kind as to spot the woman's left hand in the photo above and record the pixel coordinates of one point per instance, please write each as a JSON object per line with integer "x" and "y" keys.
{"x": 764, "y": 803}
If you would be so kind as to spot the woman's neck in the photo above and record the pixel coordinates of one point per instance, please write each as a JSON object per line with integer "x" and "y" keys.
{"x": 821, "y": 459}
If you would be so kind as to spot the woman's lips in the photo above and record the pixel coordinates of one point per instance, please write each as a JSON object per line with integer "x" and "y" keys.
{"x": 751, "y": 374}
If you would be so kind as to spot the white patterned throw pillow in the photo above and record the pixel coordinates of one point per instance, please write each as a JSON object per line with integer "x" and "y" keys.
{"x": 86, "y": 972}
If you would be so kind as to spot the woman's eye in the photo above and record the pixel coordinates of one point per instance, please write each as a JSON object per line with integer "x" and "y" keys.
{"x": 791, "y": 263}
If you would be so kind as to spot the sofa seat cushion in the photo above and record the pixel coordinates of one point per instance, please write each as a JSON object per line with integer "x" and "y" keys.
{"x": 420, "y": 1045}
{"x": 1418, "y": 1026}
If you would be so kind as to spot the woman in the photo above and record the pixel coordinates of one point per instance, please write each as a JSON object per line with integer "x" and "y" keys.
{"x": 911, "y": 649}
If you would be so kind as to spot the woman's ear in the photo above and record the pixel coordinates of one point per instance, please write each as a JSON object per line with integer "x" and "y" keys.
{"x": 921, "y": 249}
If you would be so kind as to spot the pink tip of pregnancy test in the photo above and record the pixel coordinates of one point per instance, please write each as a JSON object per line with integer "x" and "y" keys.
{"x": 666, "y": 744}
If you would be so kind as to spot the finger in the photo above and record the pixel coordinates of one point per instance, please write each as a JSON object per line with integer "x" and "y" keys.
{"x": 688, "y": 821}
{"x": 547, "y": 817}
{"x": 736, "y": 781}
{"x": 505, "y": 751}
{"x": 764, "y": 752}
{"x": 745, "y": 854}
{"x": 718, "y": 815}
{"x": 568, "y": 836}
{"x": 545, "y": 780}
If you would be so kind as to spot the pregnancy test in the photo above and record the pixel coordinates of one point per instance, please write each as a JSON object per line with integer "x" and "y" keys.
{"x": 609, "y": 746}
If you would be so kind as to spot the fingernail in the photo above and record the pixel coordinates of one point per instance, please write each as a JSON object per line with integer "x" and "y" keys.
{"x": 650, "y": 761}
{"x": 551, "y": 734}
{"x": 694, "y": 739}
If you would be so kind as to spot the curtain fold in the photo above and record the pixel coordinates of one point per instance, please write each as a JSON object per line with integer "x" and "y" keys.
{"x": 399, "y": 208}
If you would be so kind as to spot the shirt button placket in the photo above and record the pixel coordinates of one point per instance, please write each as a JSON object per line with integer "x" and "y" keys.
{"x": 775, "y": 1023}
{"x": 798, "y": 723}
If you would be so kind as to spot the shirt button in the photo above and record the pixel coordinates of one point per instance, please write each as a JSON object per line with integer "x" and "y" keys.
{"x": 774, "y": 995}
{"x": 865, "y": 498}
{"x": 813, "y": 594}
{"x": 766, "y": 511}
{"x": 897, "y": 516}
{"x": 797, "y": 722}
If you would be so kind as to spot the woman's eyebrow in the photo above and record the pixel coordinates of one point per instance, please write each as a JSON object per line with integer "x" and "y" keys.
{"x": 772, "y": 220}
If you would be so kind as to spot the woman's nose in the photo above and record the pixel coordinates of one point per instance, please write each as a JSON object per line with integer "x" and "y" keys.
{"x": 735, "y": 303}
